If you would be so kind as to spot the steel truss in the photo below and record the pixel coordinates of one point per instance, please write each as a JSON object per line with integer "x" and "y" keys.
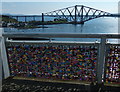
{"x": 77, "y": 14}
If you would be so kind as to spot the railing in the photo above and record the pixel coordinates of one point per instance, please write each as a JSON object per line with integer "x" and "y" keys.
{"x": 112, "y": 65}
{"x": 102, "y": 56}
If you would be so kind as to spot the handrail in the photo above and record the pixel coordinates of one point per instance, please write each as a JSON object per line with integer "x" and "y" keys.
{"x": 60, "y": 35}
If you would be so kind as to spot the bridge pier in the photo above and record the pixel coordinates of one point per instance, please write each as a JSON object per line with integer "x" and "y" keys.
{"x": 42, "y": 17}
{"x": 17, "y": 18}
{"x": 33, "y": 18}
{"x": 25, "y": 19}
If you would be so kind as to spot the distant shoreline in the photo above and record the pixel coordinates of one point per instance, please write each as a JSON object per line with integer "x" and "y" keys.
{"x": 26, "y": 27}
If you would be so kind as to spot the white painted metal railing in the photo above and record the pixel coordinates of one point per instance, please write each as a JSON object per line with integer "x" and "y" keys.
{"x": 101, "y": 50}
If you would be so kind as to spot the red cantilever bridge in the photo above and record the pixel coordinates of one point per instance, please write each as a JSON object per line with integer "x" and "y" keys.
{"x": 77, "y": 13}
{"x": 74, "y": 14}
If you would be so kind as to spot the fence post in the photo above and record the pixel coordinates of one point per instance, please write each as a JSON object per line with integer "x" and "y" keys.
{"x": 101, "y": 60}
{"x": 1, "y": 70}
{"x": 4, "y": 61}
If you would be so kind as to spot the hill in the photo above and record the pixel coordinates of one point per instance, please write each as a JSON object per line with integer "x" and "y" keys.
{"x": 7, "y": 19}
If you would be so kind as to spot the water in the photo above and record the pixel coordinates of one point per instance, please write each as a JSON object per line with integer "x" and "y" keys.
{"x": 107, "y": 25}
{"x": 99, "y": 25}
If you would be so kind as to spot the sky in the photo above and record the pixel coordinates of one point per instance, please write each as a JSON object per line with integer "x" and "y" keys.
{"x": 60, "y": 0}
{"x": 36, "y": 8}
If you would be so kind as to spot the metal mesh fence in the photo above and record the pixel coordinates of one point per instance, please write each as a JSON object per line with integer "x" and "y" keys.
{"x": 113, "y": 64}
{"x": 66, "y": 62}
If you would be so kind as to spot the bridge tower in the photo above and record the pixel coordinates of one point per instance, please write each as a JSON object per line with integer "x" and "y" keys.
{"x": 82, "y": 21}
{"x": 75, "y": 14}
